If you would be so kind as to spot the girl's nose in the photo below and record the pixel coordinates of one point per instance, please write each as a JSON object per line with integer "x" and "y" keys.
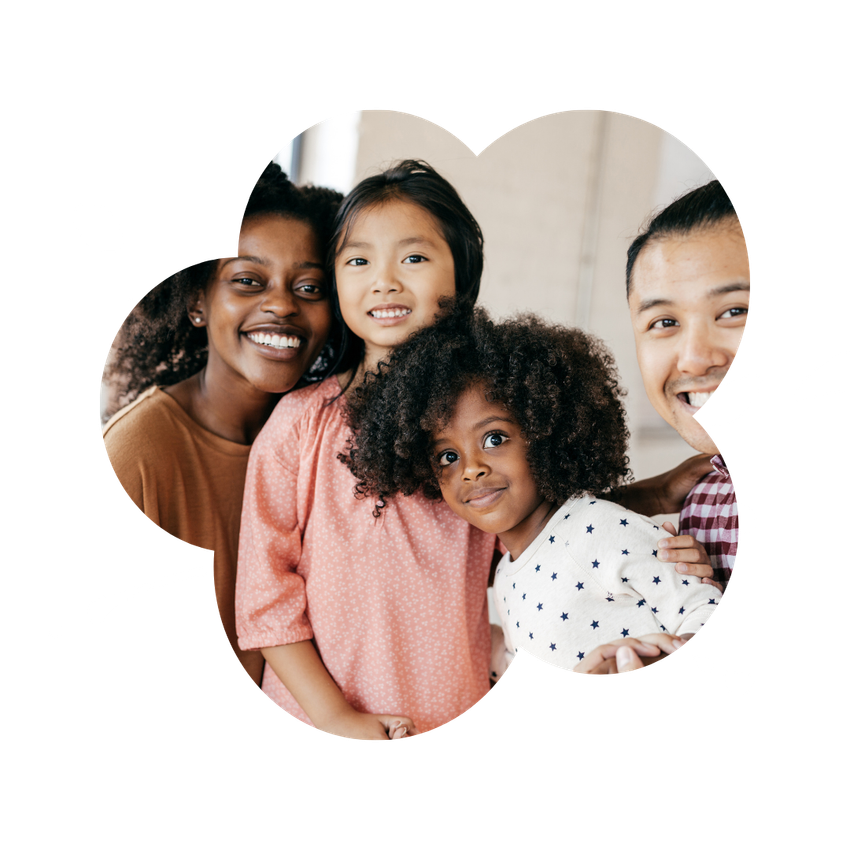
{"x": 474, "y": 469}
{"x": 385, "y": 280}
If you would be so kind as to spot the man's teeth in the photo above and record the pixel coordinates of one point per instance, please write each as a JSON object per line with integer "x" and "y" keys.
{"x": 699, "y": 399}
{"x": 389, "y": 314}
{"x": 275, "y": 341}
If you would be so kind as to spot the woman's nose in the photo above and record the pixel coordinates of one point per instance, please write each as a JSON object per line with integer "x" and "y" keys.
{"x": 280, "y": 301}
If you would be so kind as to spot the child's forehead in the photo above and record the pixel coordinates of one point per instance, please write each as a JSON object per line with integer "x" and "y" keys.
{"x": 475, "y": 407}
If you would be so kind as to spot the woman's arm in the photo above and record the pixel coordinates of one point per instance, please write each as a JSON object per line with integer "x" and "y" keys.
{"x": 304, "y": 675}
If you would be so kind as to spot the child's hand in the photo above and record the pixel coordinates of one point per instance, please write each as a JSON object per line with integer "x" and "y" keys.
{"x": 371, "y": 727}
{"x": 644, "y": 650}
{"x": 692, "y": 558}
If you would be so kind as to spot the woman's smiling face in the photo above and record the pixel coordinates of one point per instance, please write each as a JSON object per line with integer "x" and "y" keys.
{"x": 267, "y": 311}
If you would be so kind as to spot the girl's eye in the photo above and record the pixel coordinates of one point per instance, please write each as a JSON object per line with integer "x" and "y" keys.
{"x": 492, "y": 441}
{"x": 734, "y": 312}
{"x": 356, "y": 261}
{"x": 415, "y": 258}
{"x": 447, "y": 458}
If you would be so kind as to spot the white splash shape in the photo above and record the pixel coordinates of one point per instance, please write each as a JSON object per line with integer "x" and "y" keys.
{"x": 737, "y": 683}
{"x": 830, "y": 377}
{"x": 748, "y": 519}
{"x": 703, "y": 663}
{"x": 98, "y": 228}
{"x": 55, "y": 632}
{"x": 730, "y": 402}
{"x": 101, "y": 608}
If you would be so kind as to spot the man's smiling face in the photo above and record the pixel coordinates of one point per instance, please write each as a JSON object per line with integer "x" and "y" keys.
{"x": 688, "y": 301}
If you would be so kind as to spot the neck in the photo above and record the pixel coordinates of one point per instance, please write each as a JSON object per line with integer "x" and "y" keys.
{"x": 354, "y": 377}
{"x": 521, "y": 536}
{"x": 233, "y": 415}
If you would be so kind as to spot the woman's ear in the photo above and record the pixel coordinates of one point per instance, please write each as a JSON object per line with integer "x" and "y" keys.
{"x": 197, "y": 310}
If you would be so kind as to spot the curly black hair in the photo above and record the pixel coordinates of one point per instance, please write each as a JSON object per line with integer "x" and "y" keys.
{"x": 157, "y": 344}
{"x": 560, "y": 384}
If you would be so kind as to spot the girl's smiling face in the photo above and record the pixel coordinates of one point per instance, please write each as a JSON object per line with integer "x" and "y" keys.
{"x": 483, "y": 471}
{"x": 267, "y": 311}
{"x": 391, "y": 272}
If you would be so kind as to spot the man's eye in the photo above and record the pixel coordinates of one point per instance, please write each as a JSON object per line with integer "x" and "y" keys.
{"x": 447, "y": 458}
{"x": 663, "y": 323}
{"x": 415, "y": 258}
{"x": 492, "y": 441}
{"x": 734, "y": 312}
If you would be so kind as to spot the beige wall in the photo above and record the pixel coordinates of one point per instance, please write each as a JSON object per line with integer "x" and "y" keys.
{"x": 559, "y": 200}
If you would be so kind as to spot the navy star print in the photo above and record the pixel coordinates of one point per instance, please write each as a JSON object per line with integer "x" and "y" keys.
{"x": 594, "y": 624}
{"x": 642, "y": 602}
{"x": 551, "y": 538}
{"x": 539, "y": 606}
{"x": 624, "y": 522}
{"x": 554, "y": 576}
{"x": 656, "y": 580}
{"x": 537, "y": 568}
{"x": 682, "y": 610}
{"x": 654, "y": 553}
{"x": 624, "y": 552}
{"x": 625, "y": 633}
{"x": 580, "y": 656}
{"x": 552, "y": 647}
{"x": 580, "y": 586}
{"x": 625, "y": 580}
{"x": 685, "y": 581}
{"x": 530, "y": 636}
{"x": 595, "y": 565}
{"x": 590, "y": 529}
{"x": 564, "y": 616}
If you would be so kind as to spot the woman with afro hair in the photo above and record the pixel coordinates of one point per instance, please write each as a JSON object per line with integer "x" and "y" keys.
{"x": 517, "y": 426}
{"x": 203, "y": 359}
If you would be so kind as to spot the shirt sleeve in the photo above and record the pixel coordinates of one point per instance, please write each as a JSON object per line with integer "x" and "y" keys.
{"x": 271, "y": 598}
{"x": 681, "y": 604}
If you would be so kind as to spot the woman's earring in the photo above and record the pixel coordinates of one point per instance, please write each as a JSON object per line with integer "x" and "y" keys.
{"x": 196, "y": 319}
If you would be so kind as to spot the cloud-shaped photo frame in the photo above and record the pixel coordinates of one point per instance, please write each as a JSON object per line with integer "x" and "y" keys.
{"x": 194, "y": 255}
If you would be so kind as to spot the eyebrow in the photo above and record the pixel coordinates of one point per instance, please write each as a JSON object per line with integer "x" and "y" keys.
{"x": 410, "y": 240}
{"x": 649, "y": 303}
{"x": 262, "y": 262}
{"x": 477, "y": 426}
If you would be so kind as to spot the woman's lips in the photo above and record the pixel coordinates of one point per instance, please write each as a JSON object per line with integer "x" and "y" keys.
{"x": 276, "y": 346}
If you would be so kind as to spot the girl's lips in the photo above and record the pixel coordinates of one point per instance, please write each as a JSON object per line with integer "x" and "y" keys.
{"x": 484, "y": 498}
{"x": 388, "y": 315}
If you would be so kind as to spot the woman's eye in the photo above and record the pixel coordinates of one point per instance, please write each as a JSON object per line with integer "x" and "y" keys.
{"x": 246, "y": 281}
{"x": 415, "y": 258}
{"x": 310, "y": 289}
{"x": 492, "y": 441}
{"x": 447, "y": 458}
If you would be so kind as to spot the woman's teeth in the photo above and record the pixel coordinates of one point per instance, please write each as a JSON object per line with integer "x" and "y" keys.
{"x": 389, "y": 314}
{"x": 699, "y": 399}
{"x": 275, "y": 341}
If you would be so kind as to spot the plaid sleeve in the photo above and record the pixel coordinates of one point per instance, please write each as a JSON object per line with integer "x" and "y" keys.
{"x": 710, "y": 515}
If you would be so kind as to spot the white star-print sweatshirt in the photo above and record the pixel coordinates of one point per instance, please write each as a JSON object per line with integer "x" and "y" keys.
{"x": 592, "y": 576}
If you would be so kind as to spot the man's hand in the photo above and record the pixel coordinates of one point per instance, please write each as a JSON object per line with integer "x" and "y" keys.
{"x": 641, "y": 652}
{"x": 673, "y": 486}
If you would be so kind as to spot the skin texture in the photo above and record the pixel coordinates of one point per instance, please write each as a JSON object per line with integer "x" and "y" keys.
{"x": 395, "y": 255}
{"x": 688, "y": 304}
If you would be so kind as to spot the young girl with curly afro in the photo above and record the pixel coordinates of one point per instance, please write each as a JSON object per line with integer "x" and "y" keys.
{"x": 201, "y": 362}
{"x": 371, "y": 627}
{"x": 516, "y": 427}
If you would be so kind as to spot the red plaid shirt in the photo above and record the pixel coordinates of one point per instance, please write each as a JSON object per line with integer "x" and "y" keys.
{"x": 710, "y": 514}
